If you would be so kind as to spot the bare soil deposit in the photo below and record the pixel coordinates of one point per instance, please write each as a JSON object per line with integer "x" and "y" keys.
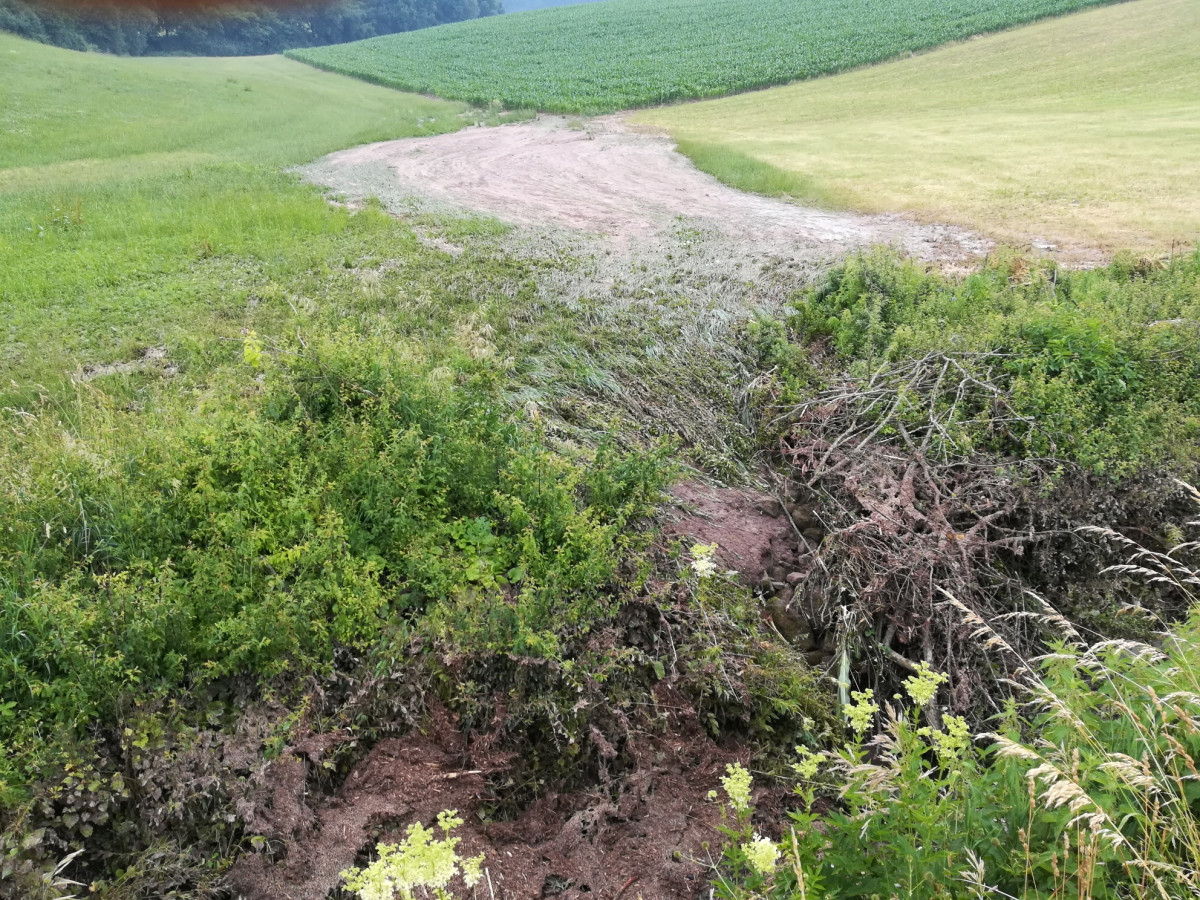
{"x": 602, "y": 178}
{"x": 648, "y": 830}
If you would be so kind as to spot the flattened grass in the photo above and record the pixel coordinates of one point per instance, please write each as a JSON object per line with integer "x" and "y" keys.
{"x": 1080, "y": 130}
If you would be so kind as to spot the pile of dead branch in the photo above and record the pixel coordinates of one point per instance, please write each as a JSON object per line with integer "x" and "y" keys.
{"x": 918, "y": 524}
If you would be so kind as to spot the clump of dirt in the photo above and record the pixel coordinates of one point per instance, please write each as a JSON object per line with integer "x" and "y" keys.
{"x": 642, "y": 835}
{"x": 751, "y": 530}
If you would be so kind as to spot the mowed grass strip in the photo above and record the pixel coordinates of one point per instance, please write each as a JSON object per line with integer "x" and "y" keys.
{"x": 628, "y": 53}
{"x": 1083, "y": 130}
{"x": 140, "y": 199}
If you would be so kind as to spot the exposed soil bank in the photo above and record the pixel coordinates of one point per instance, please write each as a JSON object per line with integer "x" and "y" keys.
{"x": 647, "y": 830}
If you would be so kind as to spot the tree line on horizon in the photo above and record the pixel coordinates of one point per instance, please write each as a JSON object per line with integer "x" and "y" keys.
{"x": 153, "y": 28}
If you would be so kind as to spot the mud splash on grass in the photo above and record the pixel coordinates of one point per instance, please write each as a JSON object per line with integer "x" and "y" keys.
{"x": 629, "y": 187}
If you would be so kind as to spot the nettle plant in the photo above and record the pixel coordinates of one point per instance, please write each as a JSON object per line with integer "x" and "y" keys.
{"x": 1089, "y": 787}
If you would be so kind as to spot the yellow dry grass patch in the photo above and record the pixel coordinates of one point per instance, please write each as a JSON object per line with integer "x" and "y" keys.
{"x": 1083, "y": 130}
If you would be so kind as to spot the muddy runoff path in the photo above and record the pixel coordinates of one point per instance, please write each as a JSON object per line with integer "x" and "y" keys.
{"x": 602, "y": 178}
{"x": 657, "y": 268}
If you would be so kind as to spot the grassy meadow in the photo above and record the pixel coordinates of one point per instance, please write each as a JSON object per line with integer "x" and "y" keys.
{"x": 627, "y": 53}
{"x": 1077, "y": 131}
{"x": 141, "y": 210}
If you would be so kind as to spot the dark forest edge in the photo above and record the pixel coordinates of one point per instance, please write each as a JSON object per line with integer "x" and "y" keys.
{"x": 152, "y": 29}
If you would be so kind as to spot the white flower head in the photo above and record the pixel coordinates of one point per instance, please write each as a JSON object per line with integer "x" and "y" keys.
{"x": 762, "y": 853}
{"x": 737, "y": 786}
{"x": 703, "y": 563}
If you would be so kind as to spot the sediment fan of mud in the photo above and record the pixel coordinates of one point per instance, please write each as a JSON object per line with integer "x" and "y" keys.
{"x": 605, "y": 179}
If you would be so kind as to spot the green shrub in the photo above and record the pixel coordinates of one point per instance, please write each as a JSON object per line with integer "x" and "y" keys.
{"x": 1105, "y": 363}
{"x": 339, "y": 493}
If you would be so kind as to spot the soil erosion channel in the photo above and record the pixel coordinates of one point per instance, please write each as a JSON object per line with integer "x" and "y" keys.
{"x": 658, "y": 268}
{"x": 604, "y": 179}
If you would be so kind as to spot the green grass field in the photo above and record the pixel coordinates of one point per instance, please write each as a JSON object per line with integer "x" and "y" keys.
{"x": 139, "y": 197}
{"x": 1079, "y": 131}
{"x": 628, "y": 53}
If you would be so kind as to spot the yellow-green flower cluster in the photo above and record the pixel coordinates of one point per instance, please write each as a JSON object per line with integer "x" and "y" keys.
{"x": 737, "y": 787}
{"x": 951, "y": 743}
{"x": 472, "y": 870}
{"x": 808, "y": 763}
{"x": 419, "y": 861}
{"x": 923, "y": 686}
{"x": 762, "y": 853}
{"x": 703, "y": 563}
{"x": 862, "y": 711}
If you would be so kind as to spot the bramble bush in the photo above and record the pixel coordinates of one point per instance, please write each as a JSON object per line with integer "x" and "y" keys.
{"x": 1106, "y": 362}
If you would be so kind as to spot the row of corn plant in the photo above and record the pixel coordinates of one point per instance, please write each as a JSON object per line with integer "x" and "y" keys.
{"x": 626, "y": 53}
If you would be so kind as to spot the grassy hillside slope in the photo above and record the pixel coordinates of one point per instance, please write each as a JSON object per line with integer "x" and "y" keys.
{"x": 129, "y": 187}
{"x": 625, "y": 53}
{"x": 1082, "y": 129}
{"x": 257, "y": 453}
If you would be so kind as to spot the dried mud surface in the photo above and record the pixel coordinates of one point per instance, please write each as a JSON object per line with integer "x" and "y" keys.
{"x": 604, "y": 179}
